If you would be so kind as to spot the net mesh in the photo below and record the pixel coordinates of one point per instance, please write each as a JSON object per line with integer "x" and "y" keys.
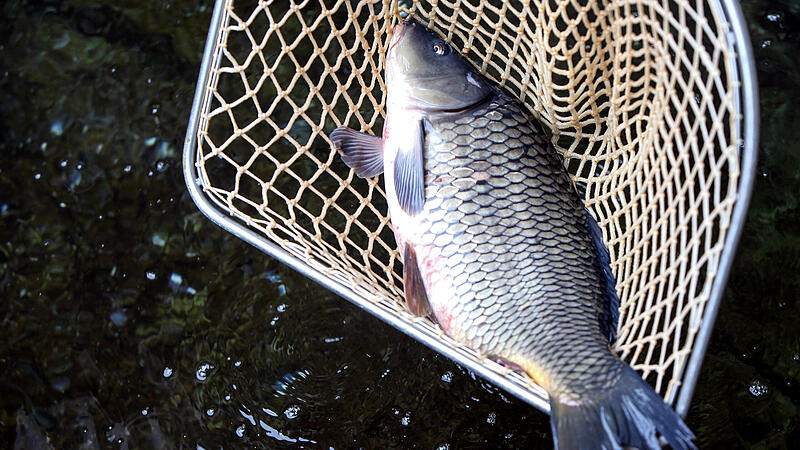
{"x": 640, "y": 97}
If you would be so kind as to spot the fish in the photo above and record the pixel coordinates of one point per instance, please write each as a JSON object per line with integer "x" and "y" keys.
{"x": 497, "y": 245}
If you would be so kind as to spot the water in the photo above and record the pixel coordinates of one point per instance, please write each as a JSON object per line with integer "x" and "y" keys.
{"x": 131, "y": 321}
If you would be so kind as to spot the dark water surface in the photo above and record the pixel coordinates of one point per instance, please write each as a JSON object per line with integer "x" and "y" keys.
{"x": 129, "y": 320}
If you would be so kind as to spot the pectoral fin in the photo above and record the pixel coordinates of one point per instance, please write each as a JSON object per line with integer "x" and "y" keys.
{"x": 361, "y": 152}
{"x": 409, "y": 172}
{"x": 416, "y": 297}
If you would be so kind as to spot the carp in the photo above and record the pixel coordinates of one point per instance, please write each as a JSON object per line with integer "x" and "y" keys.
{"x": 498, "y": 247}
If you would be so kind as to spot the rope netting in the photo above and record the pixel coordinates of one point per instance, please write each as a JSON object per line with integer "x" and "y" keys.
{"x": 640, "y": 97}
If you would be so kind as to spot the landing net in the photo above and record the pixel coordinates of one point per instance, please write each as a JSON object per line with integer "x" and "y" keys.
{"x": 645, "y": 100}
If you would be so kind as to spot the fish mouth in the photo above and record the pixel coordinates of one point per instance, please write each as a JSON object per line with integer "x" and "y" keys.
{"x": 397, "y": 34}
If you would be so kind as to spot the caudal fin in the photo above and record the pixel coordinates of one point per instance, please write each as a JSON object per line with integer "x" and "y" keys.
{"x": 629, "y": 413}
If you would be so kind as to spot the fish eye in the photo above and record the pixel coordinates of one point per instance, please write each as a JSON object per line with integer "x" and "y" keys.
{"x": 440, "y": 48}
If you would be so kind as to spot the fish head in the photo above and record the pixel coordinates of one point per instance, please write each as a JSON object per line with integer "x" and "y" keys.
{"x": 424, "y": 72}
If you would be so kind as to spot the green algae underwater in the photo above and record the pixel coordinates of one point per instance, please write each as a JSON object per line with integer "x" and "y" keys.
{"x": 131, "y": 321}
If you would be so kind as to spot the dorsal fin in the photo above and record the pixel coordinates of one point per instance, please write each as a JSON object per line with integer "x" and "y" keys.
{"x": 610, "y": 318}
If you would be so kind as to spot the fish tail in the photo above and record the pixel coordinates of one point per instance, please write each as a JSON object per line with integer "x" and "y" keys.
{"x": 630, "y": 413}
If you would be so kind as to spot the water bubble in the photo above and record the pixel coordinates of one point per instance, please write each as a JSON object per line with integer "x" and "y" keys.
{"x": 282, "y": 307}
{"x": 210, "y": 412}
{"x": 766, "y": 43}
{"x": 144, "y": 412}
{"x": 406, "y": 420}
{"x": 151, "y": 141}
{"x": 291, "y": 412}
{"x": 240, "y": 430}
{"x": 444, "y": 446}
{"x": 62, "y": 205}
{"x": 37, "y": 176}
{"x": 796, "y": 357}
{"x": 63, "y": 162}
{"x": 150, "y": 275}
{"x": 167, "y": 372}
{"x": 203, "y": 371}
{"x": 758, "y": 389}
{"x": 158, "y": 240}
{"x": 118, "y": 318}
{"x": 774, "y": 16}
{"x": 447, "y": 377}
{"x": 175, "y": 281}
{"x": 57, "y": 128}
{"x": 128, "y": 168}
{"x": 161, "y": 166}
{"x": 491, "y": 418}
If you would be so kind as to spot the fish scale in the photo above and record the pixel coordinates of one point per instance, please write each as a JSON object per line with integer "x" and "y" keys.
{"x": 550, "y": 259}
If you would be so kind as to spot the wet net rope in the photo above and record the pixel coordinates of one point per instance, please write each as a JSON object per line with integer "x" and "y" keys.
{"x": 639, "y": 97}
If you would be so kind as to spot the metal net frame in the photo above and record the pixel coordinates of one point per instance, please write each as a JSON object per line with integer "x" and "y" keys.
{"x": 651, "y": 103}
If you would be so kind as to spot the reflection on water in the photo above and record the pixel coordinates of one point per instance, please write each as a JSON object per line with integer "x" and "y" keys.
{"x": 131, "y": 321}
